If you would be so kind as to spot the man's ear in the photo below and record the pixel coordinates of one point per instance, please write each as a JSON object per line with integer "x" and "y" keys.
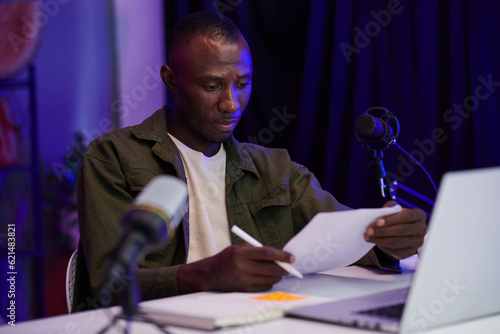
{"x": 168, "y": 77}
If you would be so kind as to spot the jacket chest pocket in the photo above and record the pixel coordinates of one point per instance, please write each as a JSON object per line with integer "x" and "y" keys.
{"x": 273, "y": 217}
{"x": 137, "y": 179}
{"x": 160, "y": 254}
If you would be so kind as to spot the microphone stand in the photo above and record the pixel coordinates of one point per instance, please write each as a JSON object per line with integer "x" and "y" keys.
{"x": 375, "y": 133}
{"x": 380, "y": 170}
{"x": 130, "y": 298}
{"x": 392, "y": 190}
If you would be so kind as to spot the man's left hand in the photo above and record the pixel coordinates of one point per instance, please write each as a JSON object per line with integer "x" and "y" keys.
{"x": 400, "y": 234}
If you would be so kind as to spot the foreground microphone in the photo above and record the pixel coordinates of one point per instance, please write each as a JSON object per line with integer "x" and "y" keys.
{"x": 152, "y": 219}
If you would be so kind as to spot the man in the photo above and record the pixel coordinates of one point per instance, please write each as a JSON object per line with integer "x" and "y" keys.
{"x": 259, "y": 189}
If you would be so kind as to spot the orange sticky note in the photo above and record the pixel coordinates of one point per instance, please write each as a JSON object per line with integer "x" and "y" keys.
{"x": 280, "y": 297}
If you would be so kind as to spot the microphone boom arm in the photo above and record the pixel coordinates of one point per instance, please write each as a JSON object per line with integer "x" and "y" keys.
{"x": 374, "y": 132}
{"x": 393, "y": 195}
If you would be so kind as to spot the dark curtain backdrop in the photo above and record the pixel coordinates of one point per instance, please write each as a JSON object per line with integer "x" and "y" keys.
{"x": 318, "y": 65}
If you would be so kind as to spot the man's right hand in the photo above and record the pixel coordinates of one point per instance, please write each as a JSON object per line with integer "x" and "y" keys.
{"x": 237, "y": 268}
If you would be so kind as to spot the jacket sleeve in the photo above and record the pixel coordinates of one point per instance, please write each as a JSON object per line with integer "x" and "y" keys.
{"x": 308, "y": 198}
{"x": 103, "y": 196}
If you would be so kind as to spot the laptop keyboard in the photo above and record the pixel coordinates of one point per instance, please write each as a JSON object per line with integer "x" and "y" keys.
{"x": 392, "y": 311}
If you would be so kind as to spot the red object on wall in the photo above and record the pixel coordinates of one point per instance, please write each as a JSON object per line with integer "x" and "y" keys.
{"x": 9, "y": 136}
{"x": 55, "y": 283}
{"x": 21, "y": 24}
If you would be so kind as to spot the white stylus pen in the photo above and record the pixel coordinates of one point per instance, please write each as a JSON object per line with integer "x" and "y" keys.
{"x": 246, "y": 237}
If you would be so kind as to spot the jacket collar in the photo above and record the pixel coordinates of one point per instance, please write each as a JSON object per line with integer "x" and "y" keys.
{"x": 154, "y": 128}
{"x": 238, "y": 157}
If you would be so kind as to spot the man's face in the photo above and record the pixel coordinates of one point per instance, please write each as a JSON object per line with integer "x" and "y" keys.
{"x": 212, "y": 87}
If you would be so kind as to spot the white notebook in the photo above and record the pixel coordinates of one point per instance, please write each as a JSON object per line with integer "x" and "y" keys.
{"x": 213, "y": 310}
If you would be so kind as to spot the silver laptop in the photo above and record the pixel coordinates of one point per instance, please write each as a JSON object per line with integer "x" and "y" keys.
{"x": 457, "y": 277}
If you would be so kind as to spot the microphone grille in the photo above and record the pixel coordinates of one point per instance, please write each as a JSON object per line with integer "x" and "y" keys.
{"x": 166, "y": 193}
{"x": 365, "y": 125}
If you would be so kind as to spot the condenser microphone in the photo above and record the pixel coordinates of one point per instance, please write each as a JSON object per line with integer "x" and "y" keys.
{"x": 373, "y": 131}
{"x": 376, "y": 133}
{"x": 371, "y": 127}
{"x": 153, "y": 217}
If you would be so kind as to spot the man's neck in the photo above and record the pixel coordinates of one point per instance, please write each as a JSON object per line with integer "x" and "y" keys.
{"x": 208, "y": 149}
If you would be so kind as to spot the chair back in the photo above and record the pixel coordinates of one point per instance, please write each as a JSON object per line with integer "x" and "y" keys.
{"x": 70, "y": 279}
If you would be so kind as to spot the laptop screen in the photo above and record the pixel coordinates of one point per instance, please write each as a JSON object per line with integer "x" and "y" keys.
{"x": 457, "y": 278}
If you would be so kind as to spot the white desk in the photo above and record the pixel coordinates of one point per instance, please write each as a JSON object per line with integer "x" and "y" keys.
{"x": 340, "y": 283}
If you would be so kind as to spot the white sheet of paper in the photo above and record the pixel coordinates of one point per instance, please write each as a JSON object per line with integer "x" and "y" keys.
{"x": 334, "y": 239}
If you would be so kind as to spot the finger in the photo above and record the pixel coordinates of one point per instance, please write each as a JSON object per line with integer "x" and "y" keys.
{"x": 260, "y": 260}
{"x": 235, "y": 269}
{"x": 265, "y": 268}
{"x": 396, "y": 243}
{"x": 399, "y": 230}
{"x": 241, "y": 281}
{"x": 399, "y": 253}
{"x": 267, "y": 253}
{"x": 404, "y": 216}
{"x": 390, "y": 204}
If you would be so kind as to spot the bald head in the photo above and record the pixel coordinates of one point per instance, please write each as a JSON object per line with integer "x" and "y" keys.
{"x": 211, "y": 24}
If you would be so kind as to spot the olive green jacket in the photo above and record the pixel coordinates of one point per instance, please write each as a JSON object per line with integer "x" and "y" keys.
{"x": 267, "y": 195}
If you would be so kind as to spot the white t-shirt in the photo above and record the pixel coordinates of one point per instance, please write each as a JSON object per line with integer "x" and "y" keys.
{"x": 208, "y": 224}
